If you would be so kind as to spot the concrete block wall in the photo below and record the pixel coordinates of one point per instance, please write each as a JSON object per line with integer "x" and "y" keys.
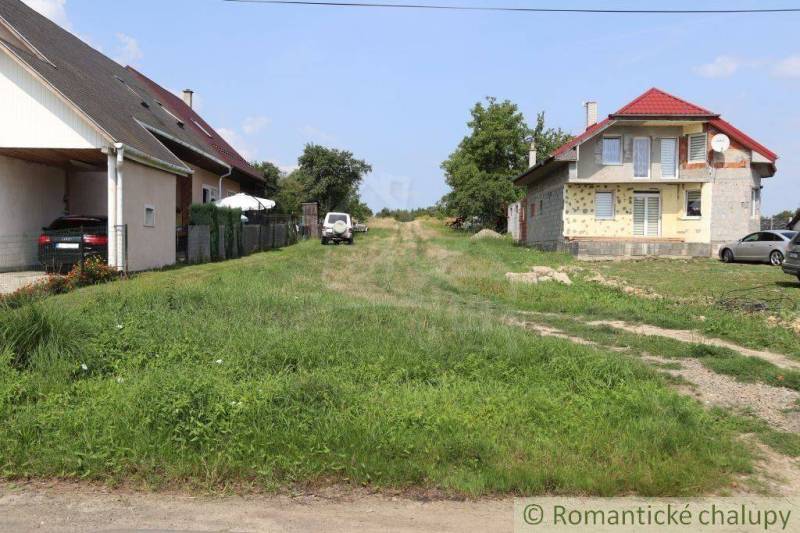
{"x": 544, "y": 204}
{"x": 731, "y": 210}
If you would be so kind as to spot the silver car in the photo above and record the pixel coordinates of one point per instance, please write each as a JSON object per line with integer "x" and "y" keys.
{"x": 767, "y": 246}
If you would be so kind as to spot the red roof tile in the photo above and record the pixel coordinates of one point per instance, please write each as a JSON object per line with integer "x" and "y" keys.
{"x": 585, "y": 136}
{"x": 191, "y": 119}
{"x": 656, "y": 102}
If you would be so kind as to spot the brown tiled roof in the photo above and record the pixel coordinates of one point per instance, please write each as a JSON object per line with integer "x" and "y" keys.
{"x": 191, "y": 119}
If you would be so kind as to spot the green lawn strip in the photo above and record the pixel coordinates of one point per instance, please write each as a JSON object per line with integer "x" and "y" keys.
{"x": 592, "y": 301}
{"x": 254, "y": 371}
{"x": 719, "y": 359}
{"x": 785, "y": 443}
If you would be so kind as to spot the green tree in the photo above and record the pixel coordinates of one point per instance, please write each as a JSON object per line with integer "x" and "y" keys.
{"x": 481, "y": 169}
{"x": 331, "y": 176}
{"x": 291, "y": 194}
{"x": 272, "y": 175}
{"x": 358, "y": 209}
{"x": 546, "y": 140}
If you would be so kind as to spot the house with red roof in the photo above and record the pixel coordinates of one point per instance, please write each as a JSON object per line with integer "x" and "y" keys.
{"x": 660, "y": 176}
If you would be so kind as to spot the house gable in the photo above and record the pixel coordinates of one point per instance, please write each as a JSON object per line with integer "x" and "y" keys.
{"x": 34, "y": 116}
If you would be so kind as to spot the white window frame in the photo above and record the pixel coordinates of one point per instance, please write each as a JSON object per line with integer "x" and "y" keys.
{"x": 686, "y": 204}
{"x": 147, "y": 208}
{"x": 613, "y": 206}
{"x": 603, "y": 150}
{"x": 689, "y": 148}
{"x": 677, "y": 156}
{"x": 212, "y": 193}
{"x": 649, "y": 158}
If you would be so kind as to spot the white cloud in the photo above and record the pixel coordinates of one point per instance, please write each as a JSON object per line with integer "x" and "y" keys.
{"x": 788, "y": 67}
{"x": 253, "y": 125}
{"x": 721, "y": 67}
{"x": 55, "y": 10}
{"x": 129, "y": 52}
{"x": 238, "y": 142}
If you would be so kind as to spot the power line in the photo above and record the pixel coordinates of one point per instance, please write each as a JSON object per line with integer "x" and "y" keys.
{"x": 441, "y": 7}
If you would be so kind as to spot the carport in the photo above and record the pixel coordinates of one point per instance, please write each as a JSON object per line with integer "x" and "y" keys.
{"x": 40, "y": 185}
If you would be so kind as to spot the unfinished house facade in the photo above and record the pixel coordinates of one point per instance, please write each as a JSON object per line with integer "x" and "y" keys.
{"x": 661, "y": 176}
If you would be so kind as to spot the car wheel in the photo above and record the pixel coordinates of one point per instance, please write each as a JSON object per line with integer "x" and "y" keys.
{"x": 776, "y": 258}
{"x": 727, "y": 256}
{"x": 324, "y": 241}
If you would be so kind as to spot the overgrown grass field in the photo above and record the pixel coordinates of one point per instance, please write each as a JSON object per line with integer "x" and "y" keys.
{"x": 386, "y": 364}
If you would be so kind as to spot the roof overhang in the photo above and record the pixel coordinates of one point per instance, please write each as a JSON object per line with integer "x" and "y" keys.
{"x": 543, "y": 169}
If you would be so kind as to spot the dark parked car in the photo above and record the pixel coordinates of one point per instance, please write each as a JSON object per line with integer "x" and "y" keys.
{"x": 71, "y": 238}
{"x": 792, "y": 263}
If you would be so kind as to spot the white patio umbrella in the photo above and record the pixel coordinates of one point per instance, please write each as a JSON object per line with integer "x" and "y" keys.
{"x": 245, "y": 202}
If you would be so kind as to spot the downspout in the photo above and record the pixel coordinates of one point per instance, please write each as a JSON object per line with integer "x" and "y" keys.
{"x": 112, "y": 207}
{"x": 221, "y": 178}
{"x": 120, "y": 216}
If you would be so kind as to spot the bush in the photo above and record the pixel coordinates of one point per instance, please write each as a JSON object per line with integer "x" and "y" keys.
{"x": 94, "y": 271}
{"x": 213, "y": 216}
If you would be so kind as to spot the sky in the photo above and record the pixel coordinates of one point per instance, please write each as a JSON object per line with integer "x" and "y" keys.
{"x": 395, "y": 86}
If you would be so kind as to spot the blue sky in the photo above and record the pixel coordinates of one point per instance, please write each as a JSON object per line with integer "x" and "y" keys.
{"x": 395, "y": 87}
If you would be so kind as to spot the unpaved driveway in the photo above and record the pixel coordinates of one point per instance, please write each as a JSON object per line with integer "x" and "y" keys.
{"x": 77, "y": 508}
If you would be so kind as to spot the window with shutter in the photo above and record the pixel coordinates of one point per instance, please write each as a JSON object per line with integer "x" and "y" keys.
{"x": 669, "y": 158}
{"x": 604, "y": 205}
{"x": 698, "y": 152}
{"x": 693, "y": 204}
{"x": 612, "y": 150}
{"x": 641, "y": 157}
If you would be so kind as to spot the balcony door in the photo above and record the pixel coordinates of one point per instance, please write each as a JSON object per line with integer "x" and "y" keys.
{"x": 646, "y": 214}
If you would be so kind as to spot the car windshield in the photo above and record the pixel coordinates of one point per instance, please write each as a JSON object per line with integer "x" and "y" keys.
{"x": 333, "y": 219}
{"x": 789, "y": 234}
{"x": 72, "y": 223}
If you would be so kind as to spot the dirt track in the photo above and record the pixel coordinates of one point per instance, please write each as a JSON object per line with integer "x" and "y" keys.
{"x": 73, "y": 508}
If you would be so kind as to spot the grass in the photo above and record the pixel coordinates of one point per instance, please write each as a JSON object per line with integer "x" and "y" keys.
{"x": 384, "y": 364}
{"x": 493, "y": 258}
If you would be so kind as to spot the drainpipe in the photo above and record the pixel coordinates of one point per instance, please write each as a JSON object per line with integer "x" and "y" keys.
{"x": 111, "y": 207}
{"x": 221, "y": 178}
{"x": 120, "y": 216}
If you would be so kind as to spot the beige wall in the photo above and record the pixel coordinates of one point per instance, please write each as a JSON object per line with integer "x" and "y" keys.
{"x": 149, "y": 247}
{"x": 580, "y": 219}
{"x": 591, "y": 167}
{"x": 31, "y": 197}
{"x": 204, "y": 177}
{"x": 87, "y": 193}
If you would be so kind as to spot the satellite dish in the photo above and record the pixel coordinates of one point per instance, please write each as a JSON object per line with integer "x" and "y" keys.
{"x": 720, "y": 142}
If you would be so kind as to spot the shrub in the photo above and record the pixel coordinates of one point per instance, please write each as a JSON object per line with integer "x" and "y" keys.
{"x": 93, "y": 271}
{"x": 213, "y": 216}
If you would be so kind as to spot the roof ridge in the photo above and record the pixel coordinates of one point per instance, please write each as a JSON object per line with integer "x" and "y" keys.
{"x": 655, "y": 91}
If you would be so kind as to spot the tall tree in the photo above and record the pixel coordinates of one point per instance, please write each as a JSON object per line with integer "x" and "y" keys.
{"x": 546, "y": 140}
{"x": 291, "y": 193}
{"x": 480, "y": 170}
{"x": 331, "y": 176}
{"x": 272, "y": 175}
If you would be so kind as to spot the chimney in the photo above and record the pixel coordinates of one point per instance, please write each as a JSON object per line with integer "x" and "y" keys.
{"x": 187, "y": 96}
{"x": 591, "y": 113}
{"x": 532, "y": 155}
